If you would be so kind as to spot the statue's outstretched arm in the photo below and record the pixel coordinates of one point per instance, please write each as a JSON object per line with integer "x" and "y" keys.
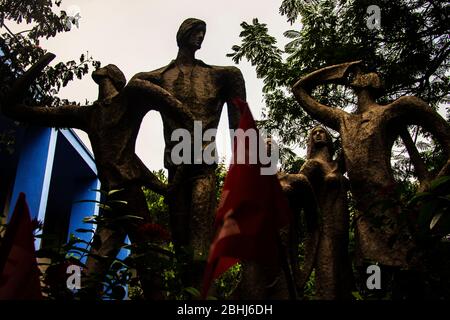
{"x": 302, "y": 92}
{"x": 412, "y": 110}
{"x": 68, "y": 116}
{"x": 235, "y": 88}
{"x": 420, "y": 167}
{"x": 152, "y": 182}
{"x": 147, "y": 178}
{"x": 150, "y": 96}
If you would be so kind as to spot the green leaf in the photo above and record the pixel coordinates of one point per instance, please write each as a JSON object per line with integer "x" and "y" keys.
{"x": 292, "y": 34}
{"x": 357, "y": 295}
{"x": 90, "y": 219}
{"x": 81, "y": 230}
{"x": 101, "y": 191}
{"x": 128, "y": 217}
{"x": 105, "y": 207}
{"x": 111, "y": 192}
{"x": 439, "y": 182}
{"x": 83, "y": 201}
{"x": 119, "y": 201}
{"x": 435, "y": 220}
{"x": 427, "y": 211}
{"x": 419, "y": 197}
{"x": 192, "y": 291}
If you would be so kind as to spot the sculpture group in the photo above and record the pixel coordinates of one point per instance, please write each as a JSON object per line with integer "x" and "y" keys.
{"x": 188, "y": 90}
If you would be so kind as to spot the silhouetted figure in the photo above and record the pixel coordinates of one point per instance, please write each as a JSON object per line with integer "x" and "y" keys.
{"x": 112, "y": 124}
{"x": 203, "y": 89}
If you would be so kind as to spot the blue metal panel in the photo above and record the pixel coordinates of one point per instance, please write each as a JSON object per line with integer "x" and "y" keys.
{"x": 34, "y": 169}
{"x": 84, "y": 192}
{"x": 81, "y": 149}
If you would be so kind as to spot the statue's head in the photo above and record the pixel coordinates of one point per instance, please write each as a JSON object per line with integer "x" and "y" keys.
{"x": 191, "y": 33}
{"x": 319, "y": 137}
{"x": 111, "y": 72}
{"x": 369, "y": 81}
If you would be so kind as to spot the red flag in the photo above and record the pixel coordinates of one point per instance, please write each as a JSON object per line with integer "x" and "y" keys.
{"x": 252, "y": 210}
{"x": 19, "y": 273}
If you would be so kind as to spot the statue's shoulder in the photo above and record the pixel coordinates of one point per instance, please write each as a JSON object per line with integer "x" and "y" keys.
{"x": 154, "y": 75}
{"x": 229, "y": 72}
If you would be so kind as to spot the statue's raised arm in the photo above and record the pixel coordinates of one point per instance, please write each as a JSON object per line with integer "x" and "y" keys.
{"x": 302, "y": 92}
{"x": 150, "y": 96}
{"x": 67, "y": 116}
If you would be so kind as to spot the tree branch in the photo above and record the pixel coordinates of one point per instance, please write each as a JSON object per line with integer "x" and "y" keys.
{"x": 412, "y": 110}
{"x": 419, "y": 165}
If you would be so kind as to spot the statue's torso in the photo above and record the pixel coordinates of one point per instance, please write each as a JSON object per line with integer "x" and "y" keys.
{"x": 367, "y": 151}
{"x": 198, "y": 87}
{"x": 114, "y": 127}
{"x": 201, "y": 88}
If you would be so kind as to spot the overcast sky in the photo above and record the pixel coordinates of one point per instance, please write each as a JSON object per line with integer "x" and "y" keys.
{"x": 140, "y": 35}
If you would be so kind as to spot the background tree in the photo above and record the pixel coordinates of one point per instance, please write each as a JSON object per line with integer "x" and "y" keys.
{"x": 20, "y": 50}
{"x": 410, "y": 50}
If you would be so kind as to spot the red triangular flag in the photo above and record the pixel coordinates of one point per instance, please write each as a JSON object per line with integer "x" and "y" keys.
{"x": 252, "y": 210}
{"x": 19, "y": 273}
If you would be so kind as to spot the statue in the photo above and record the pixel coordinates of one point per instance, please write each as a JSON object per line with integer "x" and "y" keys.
{"x": 319, "y": 189}
{"x": 203, "y": 89}
{"x": 367, "y": 137}
{"x": 112, "y": 124}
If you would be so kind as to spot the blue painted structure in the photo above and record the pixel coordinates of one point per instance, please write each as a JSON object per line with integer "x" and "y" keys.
{"x": 55, "y": 170}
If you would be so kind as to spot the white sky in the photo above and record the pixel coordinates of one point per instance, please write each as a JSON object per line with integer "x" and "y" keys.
{"x": 139, "y": 35}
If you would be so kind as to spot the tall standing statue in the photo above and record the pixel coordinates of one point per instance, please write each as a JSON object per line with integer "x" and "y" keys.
{"x": 203, "y": 89}
{"x": 367, "y": 137}
{"x": 112, "y": 124}
{"x": 321, "y": 185}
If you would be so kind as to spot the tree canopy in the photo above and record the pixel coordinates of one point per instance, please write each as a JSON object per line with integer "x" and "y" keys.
{"x": 410, "y": 50}
{"x": 20, "y": 50}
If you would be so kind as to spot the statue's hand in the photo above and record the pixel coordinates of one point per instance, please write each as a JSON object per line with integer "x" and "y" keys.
{"x": 24, "y": 81}
{"x": 331, "y": 74}
{"x": 148, "y": 93}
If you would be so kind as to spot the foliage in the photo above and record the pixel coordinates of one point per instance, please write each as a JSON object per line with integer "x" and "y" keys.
{"x": 20, "y": 50}
{"x": 290, "y": 162}
{"x": 227, "y": 282}
{"x": 433, "y": 208}
{"x": 410, "y": 51}
{"x": 221, "y": 173}
{"x": 156, "y": 203}
{"x": 54, "y": 258}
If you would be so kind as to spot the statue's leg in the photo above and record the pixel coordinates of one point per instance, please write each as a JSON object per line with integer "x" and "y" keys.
{"x": 203, "y": 209}
{"x": 201, "y": 227}
{"x": 105, "y": 247}
{"x": 110, "y": 237}
{"x": 149, "y": 276}
{"x": 179, "y": 202}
